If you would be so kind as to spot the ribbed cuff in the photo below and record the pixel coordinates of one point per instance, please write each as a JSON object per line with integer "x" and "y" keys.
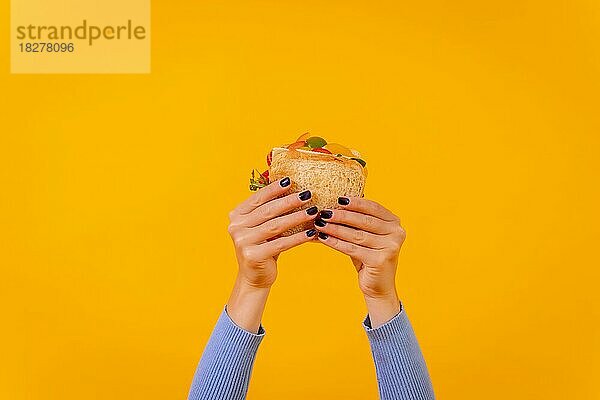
{"x": 401, "y": 369}
{"x": 234, "y": 335}
{"x": 226, "y": 364}
{"x": 369, "y": 327}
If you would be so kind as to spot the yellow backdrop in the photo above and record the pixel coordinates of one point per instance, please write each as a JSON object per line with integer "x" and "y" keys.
{"x": 480, "y": 124}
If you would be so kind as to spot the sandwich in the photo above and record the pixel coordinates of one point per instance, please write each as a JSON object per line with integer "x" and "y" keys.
{"x": 328, "y": 170}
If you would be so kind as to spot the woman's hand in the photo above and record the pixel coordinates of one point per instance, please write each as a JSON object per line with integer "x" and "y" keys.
{"x": 372, "y": 236}
{"x": 255, "y": 226}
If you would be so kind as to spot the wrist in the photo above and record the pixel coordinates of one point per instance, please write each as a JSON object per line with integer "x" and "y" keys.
{"x": 246, "y": 304}
{"x": 250, "y": 285}
{"x": 252, "y": 279}
{"x": 382, "y": 308}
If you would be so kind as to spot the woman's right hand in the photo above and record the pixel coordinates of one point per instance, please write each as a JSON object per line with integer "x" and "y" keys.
{"x": 254, "y": 228}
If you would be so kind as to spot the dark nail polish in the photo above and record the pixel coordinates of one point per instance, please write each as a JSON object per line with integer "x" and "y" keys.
{"x": 305, "y": 195}
{"x": 285, "y": 182}
{"x": 326, "y": 214}
{"x": 320, "y": 223}
{"x": 312, "y": 210}
{"x": 323, "y": 235}
{"x": 343, "y": 201}
{"x": 311, "y": 232}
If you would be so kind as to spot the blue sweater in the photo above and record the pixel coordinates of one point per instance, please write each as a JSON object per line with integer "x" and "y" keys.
{"x": 225, "y": 368}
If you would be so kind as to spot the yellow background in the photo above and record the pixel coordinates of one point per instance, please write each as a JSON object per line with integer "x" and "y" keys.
{"x": 480, "y": 124}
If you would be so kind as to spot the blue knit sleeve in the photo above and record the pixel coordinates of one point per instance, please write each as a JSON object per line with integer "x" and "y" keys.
{"x": 401, "y": 370}
{"x": 226, "y": 364}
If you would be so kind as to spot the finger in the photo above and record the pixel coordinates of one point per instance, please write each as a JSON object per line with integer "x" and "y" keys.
{"x": 277, "y": 207}
{"x": 275, "y": 247}
{"x": 276, "y": 226}
{"x": 357, "y": 220}
{"x": 269, "y": 192}
{"x": 351, "y": 249}
{"x": 365, "y": 206}
{"x": 348, "y": 234}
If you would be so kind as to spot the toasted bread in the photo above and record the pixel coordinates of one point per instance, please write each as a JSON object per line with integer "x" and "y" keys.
{"x": 326, "y": 176}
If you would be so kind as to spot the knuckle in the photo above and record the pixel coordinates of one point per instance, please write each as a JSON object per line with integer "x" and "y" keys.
{"x": 340, "y": 216}
{"x": 238, "y": 239}
{"x": 352, "y": 249}
{"x": 258, "y": 199}
{"x": 331, "y": 229}
{"x": 359, "y": 236}
{"x": 372, "y": 208}
{"x": 265, "y": 211}
{"x": 256, "y": 202}
{"x": 231, "y": 215}
{"x": 290, "y": 201}
{"x": 248, "y": 253}
{"x": 279, "y": 246}
{"x": 231, "y": 229}
{"x": 398, "y": 235}
{"x": 335, "y": 243}
{"x": 271, "y": 227}
{"x": 402, "y": 233}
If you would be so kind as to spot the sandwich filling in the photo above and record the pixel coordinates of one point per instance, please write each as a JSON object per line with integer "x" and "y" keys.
{"x": 314, "y": 146}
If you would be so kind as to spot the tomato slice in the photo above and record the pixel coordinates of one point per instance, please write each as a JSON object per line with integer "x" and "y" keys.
{"x": 296, "y": 145}
{"x": 265, "y": 175}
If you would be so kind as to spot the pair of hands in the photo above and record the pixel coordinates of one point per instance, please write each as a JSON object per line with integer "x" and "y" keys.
{"x": 362, "y": 229}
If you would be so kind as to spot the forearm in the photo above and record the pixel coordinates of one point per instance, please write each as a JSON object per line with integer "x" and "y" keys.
{"x": 226, "y": 364}
{"x": 401, "y": 370}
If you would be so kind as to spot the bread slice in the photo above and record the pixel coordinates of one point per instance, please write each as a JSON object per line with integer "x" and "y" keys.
{"x": 326, "y": 176}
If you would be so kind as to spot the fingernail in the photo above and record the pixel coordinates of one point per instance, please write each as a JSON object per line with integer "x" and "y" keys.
{"x": 343, "y": 201}
{"x": 320, "y": 223}
{"x": 284, "y": 182}
{"x": 311, "y": 232}
{"x": 326, "y": 214}
{"x": 305, "y": 195}
{"x": 312, "y": 210}
{"x": 323, "y": 236}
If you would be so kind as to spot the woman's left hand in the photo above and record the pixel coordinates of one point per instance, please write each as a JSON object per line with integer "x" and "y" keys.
{"x": 372, "y": 236}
